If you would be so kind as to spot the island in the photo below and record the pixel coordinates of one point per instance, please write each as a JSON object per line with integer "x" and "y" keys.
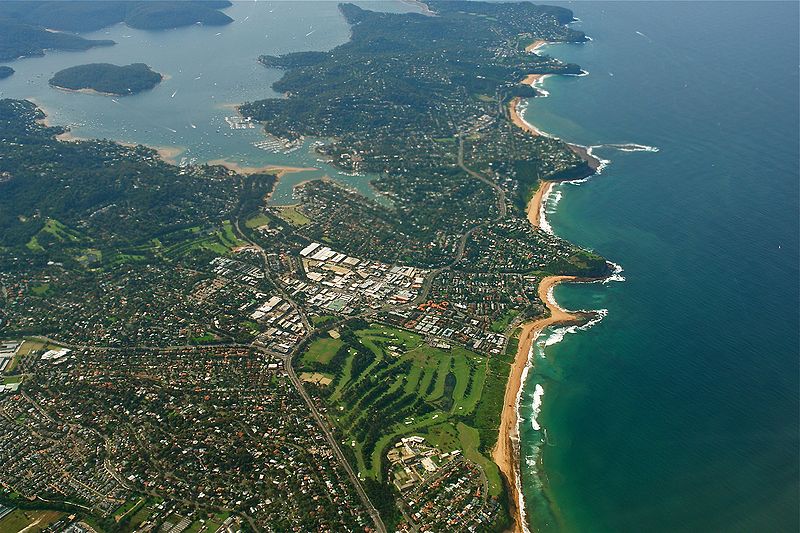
{"x": 204, "y": 359}
{"x": 107, "y": 79}
{"x": 5, "y": 71}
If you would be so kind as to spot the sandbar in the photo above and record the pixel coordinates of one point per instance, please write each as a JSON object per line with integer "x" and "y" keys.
{"x": 278, "y": 170}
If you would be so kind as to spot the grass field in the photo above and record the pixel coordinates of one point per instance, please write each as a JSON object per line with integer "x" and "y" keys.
{"x": 257, "y": 221}
{"x": 391, "y": 384}
{"x": 129, "y": 507}
{"x": 219, "y": 241}
{"x": 322, "y": 350}
{"x": 34, "y": 521}
{"x": 294, "y": 217}
{"x": 26, "y": 348}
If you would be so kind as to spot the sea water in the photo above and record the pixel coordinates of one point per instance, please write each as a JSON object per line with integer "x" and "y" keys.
{"x": 679, "y": 410}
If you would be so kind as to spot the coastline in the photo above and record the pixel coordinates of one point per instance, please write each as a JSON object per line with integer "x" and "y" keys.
{"x": 535, "y": 45}
{"x": 516, "y": 116}
{"x": 85, "y": 90}
{"x": 424, "y": 9}
{"x": 166, "y": 153}
{"x": 506, "y": 453}
{"x": 537, "y": 203}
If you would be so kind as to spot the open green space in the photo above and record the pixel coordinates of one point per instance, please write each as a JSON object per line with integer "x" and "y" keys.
{"x": 294, "y": 217}
{"x": 257, "y": 221}
{"x": 130, "y": 507}
{"x": 322, "y": 350}
{"x": 40, "y": 288}
{"x": 30, "y": 521}
{"x": 389, "y": 383}
{"x": 500, "y": 325}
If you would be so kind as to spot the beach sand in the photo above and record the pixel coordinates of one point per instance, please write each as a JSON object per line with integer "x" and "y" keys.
{"x": 425, "y": 10}
{"x": 538, "y": 43}
{"x": 534, "y": 209}
{"x": 506, "y": 451}
{"x": 167, "y": 153}
{"x": 517, "y": 119}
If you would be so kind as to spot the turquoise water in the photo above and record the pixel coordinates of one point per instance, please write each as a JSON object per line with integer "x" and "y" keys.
{"x": 207, "y": 70}
{"x": 679, "y": 411}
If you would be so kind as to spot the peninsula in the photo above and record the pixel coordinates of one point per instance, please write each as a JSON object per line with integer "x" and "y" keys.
{"x": 5, "y": 71}
{"x": 107, "y": 79}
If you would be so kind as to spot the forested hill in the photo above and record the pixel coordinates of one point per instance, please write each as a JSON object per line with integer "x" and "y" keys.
{"x": 90, "y": 15}
{"x": 19, "y": 39}
{"x": 108, "y": 79}
{"x": 24, "y": 25}
{"x": 63, "y": 197}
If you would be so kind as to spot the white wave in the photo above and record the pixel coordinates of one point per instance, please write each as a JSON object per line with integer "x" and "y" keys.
{"x": 522, "y": 106}
{"x": 538, "y": 393}
{"x": 603, "y": 162}
{"x": 631, "y": 147}
{"x": 516, "y": 444}
{"x": 552, "y": 201}
{"x": 537, "y": 84}
{"x": 616, "y": 275}
{"x": 544, "y": 225}
{"x": 557, "y": 334}
{"x": 581, "y": 74}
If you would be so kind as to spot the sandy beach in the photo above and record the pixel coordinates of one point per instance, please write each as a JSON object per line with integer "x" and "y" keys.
{"x": 534, "y": 209}
{"x": 506, "y": 451}
{"x": 538, "y": 43}
{"x": 422, "y": 5}
{"x": 84, "y": 91}
{"x": 516, "y": 117}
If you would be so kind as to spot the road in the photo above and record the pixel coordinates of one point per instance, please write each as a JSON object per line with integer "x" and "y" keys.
{"x": 318, "y": 418}
{"x": 321, "y": 422}
{"x": 310, "y": 330}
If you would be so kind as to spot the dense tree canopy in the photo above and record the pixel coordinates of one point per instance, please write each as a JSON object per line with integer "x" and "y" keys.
{"x": 107, "y": 78}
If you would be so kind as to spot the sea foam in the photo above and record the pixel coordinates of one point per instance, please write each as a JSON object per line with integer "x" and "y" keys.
{"x": 538, "y": 394}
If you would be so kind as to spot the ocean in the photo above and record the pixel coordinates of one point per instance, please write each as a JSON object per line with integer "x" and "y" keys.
{"x": 679, "y": 410}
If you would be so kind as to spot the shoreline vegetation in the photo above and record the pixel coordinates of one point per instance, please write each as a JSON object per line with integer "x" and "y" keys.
{"x": 506, "y": 453}
{"x": 167, "y": 153}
